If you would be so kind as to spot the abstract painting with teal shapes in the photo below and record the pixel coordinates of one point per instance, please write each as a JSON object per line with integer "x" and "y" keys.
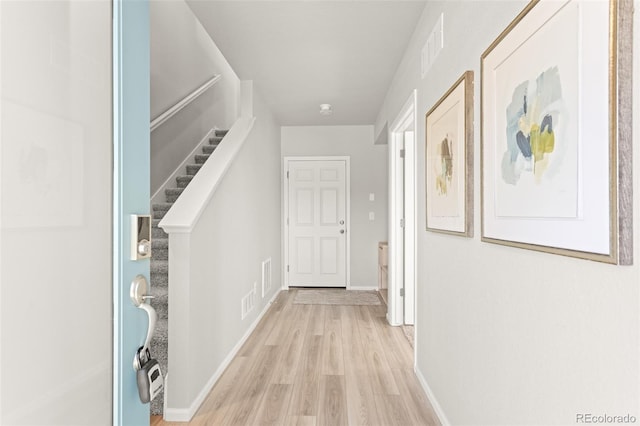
{"x": 532, "y": 116}
{"x": 444, "y": 170}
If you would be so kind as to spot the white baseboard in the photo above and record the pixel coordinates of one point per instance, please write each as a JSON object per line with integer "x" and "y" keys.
{"x": 157, "y": 196}
{"x": 432, "y": 398}
{"x": 186, "y": 414}
{"x": 363, "y": 288}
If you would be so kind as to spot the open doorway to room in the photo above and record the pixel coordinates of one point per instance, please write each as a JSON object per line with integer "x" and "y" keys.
{"x": 402, "y": 218}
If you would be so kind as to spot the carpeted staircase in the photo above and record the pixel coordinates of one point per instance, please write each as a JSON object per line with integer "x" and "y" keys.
{"x": 160, "y": 262}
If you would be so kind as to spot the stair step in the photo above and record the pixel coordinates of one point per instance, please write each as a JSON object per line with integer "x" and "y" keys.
{"x": 159, "y": 279}
{"x": 161, "y": 253}
{"x": 183, "y": 181}
{"x": 208, "y": 149}
{"x": 159, "y": 350}
{"x": 221, "y": 133}
{"x": 160, "y": 295}
{"x": 159, "y": 214}
{"x": 157, "y": 232}
{"x": 159, "y": 249}
{"x": 160, "y": 301}
{"x": 192, "y": 169}
{"x": 161, "y": 207}
{"x": 201, "y": 158}
{"x": 159, "y": 243}
{"x": 172, "y": 194}
{"x": 215, "y": 140}
{"x": 159, "y": 266}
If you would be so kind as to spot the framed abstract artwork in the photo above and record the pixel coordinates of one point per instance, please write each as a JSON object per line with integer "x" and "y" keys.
{"x": 449, "y": 160}
{"x": 556, "y": 145}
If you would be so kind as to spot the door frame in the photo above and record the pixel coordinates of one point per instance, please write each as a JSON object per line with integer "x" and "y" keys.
{"x": 406, "y": 121}
{"x": 285, "y": 228}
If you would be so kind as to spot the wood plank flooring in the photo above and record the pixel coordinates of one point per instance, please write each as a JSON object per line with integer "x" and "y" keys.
{"x": 318, "y": 365}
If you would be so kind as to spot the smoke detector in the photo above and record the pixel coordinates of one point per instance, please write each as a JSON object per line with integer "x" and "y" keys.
{"x": 325, "y": 109}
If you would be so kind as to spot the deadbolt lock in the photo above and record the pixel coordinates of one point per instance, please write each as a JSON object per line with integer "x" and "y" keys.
{"x": 140, "y": 237}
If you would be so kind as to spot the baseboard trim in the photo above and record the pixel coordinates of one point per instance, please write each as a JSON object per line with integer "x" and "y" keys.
{"x": 180, "y": 170}
{"x": 363, "y": 288}
{"x": 432, "y": 398}
{"x": 186, "y": 414}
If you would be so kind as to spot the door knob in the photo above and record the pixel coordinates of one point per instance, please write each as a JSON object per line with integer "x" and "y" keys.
{"x": 342, "y": 231}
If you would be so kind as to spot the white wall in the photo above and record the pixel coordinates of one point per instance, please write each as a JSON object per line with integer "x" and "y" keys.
{"x": 238, "y": 230}
{"x": 55, "y": 220}
{"x": 183, "y": 57}
{"x": 560, "y": 339}
{"x": 368, "y": 175}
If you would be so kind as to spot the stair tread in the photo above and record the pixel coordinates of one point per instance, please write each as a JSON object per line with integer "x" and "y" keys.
{"x": 159, "y": 291}
{"x": 159, "y": 243}
{"x": 162, "y": 206}
{"x": 159, "y": 266}
{"x": 173, "y": 190}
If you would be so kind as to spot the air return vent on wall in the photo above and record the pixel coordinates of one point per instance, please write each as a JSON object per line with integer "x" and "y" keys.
{"x": 249, "y": 301}
{"x": 433, "y": 46}
{"x": 266, "y": 276}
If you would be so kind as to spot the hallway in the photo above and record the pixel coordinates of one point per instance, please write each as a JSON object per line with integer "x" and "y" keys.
{"x": 319, "y": 365}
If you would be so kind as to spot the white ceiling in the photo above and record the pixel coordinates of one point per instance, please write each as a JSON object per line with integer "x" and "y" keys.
{"x": 303, "y": 53}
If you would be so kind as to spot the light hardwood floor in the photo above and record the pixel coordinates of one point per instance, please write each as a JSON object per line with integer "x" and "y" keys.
{"x": 319, "y": 365}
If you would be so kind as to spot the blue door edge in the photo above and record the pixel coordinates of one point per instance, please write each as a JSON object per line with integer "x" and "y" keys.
{"x": 131, "y": 117}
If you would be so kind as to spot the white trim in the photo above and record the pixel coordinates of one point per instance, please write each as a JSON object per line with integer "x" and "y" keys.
{"x": 180, "y": 170}
{"x": 444, "y": 421}
{"x": 186, "y": 414}
{"x": 405, "y": 121}
{"x": 410, "y": 228}
{"x": 363, "y": 288}
{"x": 285, "y": 228}
{"x": 162, "y": 118}
{"x": 187, "y": 209}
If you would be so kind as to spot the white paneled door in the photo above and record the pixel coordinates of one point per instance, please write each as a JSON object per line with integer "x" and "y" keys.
{"x": 316, "y": 223}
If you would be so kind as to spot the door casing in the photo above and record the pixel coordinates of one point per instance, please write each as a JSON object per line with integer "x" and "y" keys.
{"x": 402, "y": 260}
{"x": 285, "y": 228}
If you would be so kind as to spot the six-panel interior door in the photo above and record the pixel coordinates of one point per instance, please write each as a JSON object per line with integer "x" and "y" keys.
{"x": 317, "y": 223}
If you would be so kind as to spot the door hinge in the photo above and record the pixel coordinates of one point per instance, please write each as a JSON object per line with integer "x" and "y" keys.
{"x": 287, "y": 174}
{"x": 401, "y": 223}
{"x": 402, "y": 292}
{"x": 402, "y": 153}
{"x": 287, "y": 268}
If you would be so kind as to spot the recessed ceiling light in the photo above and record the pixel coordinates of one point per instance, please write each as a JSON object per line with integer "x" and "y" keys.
{"x": 325, "y": 109}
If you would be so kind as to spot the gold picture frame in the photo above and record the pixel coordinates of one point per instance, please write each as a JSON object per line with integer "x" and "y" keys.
{"x": 547, "y": 181}
{"x": 449, "y": 160}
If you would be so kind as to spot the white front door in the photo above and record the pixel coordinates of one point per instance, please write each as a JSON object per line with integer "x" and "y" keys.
{"x": 317, "y": 223}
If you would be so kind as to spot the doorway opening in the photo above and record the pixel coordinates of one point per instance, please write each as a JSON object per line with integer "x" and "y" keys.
{"x": 402, "y": 217}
